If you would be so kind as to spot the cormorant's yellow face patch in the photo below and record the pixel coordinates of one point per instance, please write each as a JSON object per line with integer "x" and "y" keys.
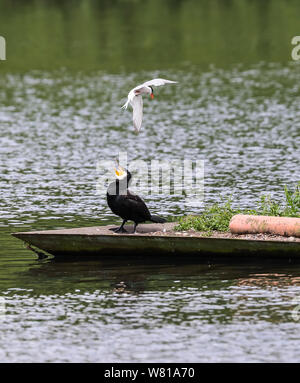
{"x": 120, "y": 171}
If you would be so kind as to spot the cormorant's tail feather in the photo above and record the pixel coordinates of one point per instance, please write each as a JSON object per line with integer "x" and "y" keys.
{"x": 157, "y": 219}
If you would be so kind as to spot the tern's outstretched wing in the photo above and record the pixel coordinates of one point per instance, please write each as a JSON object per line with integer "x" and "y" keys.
{"x": 137, "y": 106}
{"x": 158, "y": 82}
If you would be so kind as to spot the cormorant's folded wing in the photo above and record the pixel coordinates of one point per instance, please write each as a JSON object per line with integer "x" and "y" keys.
{"x": 136, "y": 204}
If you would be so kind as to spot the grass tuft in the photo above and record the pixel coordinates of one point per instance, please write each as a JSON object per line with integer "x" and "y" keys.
{"x": 218, "y": 216}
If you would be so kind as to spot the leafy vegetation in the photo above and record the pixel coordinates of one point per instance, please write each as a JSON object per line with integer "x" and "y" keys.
{"x": 217, "y": 217}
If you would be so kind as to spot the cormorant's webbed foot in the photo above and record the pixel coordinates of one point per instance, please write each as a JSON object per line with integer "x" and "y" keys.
{"x": 120, "y": 230}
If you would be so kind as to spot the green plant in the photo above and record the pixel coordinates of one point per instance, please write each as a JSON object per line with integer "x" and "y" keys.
{"x": 291, "y": 207}
{"x": 293, "y": 201}
{"x": 218, "y": 216}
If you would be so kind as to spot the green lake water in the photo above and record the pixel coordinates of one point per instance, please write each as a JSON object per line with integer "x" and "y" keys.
{"x": 69, "y": 67}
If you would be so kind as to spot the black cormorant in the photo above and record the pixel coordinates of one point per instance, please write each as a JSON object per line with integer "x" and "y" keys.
{"x": 128, "y": 206}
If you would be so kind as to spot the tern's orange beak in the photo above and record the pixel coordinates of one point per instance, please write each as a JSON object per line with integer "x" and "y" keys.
{"x": 152, "y": 96}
